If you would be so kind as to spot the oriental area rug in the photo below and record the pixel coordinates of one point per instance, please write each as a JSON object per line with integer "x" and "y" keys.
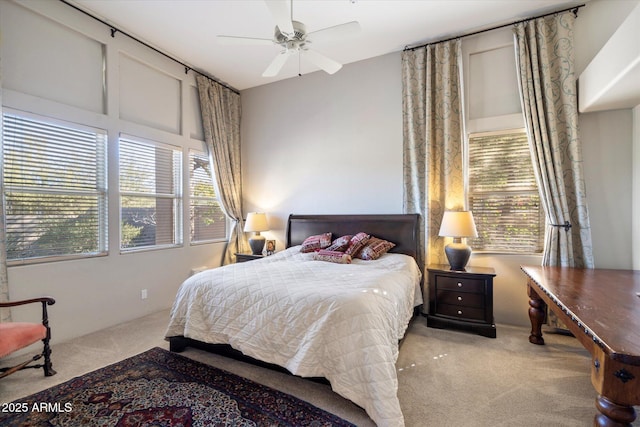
{"x": 160, "y": 388}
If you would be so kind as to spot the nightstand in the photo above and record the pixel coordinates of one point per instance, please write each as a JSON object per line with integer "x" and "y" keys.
{"x": 247, "y": 257}
{"x": 461, "y": 299}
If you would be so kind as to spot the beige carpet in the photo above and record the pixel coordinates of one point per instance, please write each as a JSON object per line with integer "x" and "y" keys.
{"x": 446, "y": 378}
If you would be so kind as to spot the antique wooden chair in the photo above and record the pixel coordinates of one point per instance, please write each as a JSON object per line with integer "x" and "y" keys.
{"x": 17, "y": 335}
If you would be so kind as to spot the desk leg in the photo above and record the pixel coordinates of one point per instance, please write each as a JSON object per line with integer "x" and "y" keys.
{"x": 536, "y": 316}
{"x": 613, "y": 415}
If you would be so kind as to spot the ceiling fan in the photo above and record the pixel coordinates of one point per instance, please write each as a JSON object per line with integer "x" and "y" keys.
{"x": 292, "y": 36}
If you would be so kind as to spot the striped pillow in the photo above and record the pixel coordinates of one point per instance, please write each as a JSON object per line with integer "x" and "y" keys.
{"x": 340, "y": 244}
{"x": 375, "y": 248}
{"x": 356, "y": 243}
{"x": 315, "y": 243}
{"x": 332, "y": 256}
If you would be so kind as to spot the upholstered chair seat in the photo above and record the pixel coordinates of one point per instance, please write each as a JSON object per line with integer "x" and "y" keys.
{"x": 18, "y": 335}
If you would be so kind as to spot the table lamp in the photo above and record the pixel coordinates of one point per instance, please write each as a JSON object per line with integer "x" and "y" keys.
{"x": 256, "y": 222}
{"x": 458, "y": 224}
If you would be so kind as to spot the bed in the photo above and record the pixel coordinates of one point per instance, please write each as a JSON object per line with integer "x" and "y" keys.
{"x": 342, "y": 322}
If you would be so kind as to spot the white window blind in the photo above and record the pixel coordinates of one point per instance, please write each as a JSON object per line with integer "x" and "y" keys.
{"x": 208, "y": 222}
{"x": 55, "y": 189}
{"x": 503, "y": 194}
{"x": 150, "y": 195}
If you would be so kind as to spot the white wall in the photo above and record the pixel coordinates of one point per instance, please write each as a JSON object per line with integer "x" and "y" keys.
{"x": 607, "y": 144}
{"x": 324, "y": 144}
{"x": 52, "y": 59}
{"x": 332, "y": 144}
{"x": 610, "y": 134}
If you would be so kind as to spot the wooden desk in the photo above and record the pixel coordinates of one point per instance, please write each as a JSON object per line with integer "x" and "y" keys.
{"x": 602, "y": 309}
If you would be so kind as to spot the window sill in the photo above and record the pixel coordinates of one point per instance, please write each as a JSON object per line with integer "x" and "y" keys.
{"x": 504, "y": 253}
{"x": 149, "y": 248}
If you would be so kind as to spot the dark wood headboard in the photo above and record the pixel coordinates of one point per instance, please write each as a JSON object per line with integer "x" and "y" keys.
{"x": 401, "y": 229}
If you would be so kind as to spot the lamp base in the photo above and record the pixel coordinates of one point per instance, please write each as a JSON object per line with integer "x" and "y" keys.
{"x": 257, "y": 244}
{"x": 458, "y": 255}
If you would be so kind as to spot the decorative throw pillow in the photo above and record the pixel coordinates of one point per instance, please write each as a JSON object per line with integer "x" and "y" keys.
{"x": 332, "y": 256}
{"x": 340, "y": 244}
{"x": 317, "y": 242}
{"x": 375, "y": 248}
{"x": 356, "y": 243}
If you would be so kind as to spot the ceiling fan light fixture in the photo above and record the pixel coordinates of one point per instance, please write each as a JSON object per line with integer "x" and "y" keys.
{"x": 299, "y": 33}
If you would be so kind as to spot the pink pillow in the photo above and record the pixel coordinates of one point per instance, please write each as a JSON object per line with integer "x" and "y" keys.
{"x": 356, "y": 243}
{"x": 315, "y": 243}
{"x": 340, "y": 244}
{"x": 374, "y": 249}
{"x": 332, "y": 256}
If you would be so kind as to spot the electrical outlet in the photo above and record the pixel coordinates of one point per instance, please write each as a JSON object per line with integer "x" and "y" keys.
{"x": 143, "y": 294}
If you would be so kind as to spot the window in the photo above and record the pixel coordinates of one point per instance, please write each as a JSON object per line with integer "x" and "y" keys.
{"x": 208, "y": 222}
{"x": 150, "y": 195}
{"x": 503, "y": 194}
{"x": 55, "y": 189}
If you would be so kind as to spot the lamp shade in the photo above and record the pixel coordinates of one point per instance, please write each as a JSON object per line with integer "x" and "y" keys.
{"x": 256, "y": 221}
{"x": 458, "y": 224}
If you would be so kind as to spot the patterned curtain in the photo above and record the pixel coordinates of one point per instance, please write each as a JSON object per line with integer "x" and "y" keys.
{"x": 5, "y": 314}
{"x": 544, "y": 54}
{"x": 221, "y": 112}
{"x": 433, "y": 138}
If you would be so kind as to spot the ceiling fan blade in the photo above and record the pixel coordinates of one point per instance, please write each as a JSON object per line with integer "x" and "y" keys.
{"x": 337, "y": 32}
{"x": 281, "y": 12}
{"x": 233, "y": 40}
{"x": 327, "y": 64}
{"x": 276, "y": 65}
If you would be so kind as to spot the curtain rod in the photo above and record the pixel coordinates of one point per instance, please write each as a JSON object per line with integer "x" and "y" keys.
{"x": 115, "y": 30}
{"x": 573, "y": 8}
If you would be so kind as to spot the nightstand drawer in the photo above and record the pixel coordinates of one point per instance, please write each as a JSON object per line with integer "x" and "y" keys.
{"x": 465, "y": 299}
{"x": 461, "y": 284}
{"x": 465, "y": 313}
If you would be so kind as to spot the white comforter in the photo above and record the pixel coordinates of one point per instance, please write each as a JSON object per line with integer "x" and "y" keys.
{"x": 315, "y": 318}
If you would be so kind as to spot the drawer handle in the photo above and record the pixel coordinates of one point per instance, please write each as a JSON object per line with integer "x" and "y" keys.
{"x": 459, "y": 298}
{"x": 459, "y": 284}
{"x": 459, "y": 311}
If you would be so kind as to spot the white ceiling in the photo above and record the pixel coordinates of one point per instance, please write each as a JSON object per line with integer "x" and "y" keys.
{"x": 187, "y": 29}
